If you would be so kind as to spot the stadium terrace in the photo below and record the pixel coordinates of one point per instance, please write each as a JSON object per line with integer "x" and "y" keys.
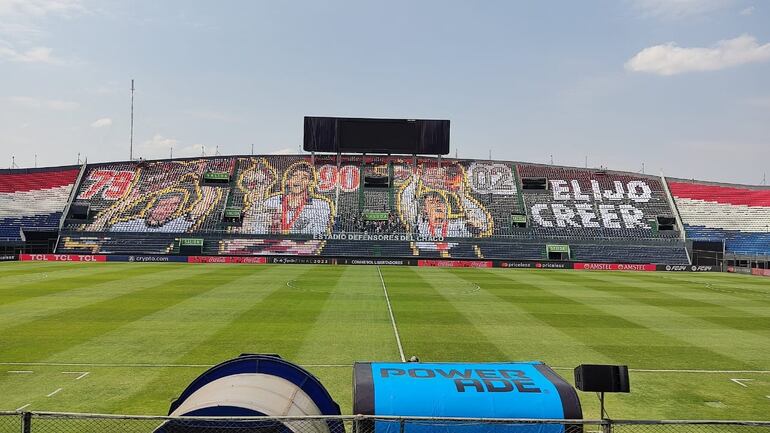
{"x": 364, "y": 206}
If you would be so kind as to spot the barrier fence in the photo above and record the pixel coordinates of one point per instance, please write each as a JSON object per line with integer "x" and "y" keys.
{"x": 49, "y": 422}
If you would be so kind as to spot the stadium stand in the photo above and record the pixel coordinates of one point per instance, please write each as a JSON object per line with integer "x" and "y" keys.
{"x": 736, "y": 214}
{"x": 588, "y": 203}
{"x": 33, "y": 200}
{"x": 371, "y": 206}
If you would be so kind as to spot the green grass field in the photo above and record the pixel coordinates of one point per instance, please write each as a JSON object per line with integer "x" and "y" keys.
{"x": 143, "y": 331}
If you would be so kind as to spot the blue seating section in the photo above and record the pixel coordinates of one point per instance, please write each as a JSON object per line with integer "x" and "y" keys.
{"x": 33, "y": 199}
{"x": 738, "y": 215}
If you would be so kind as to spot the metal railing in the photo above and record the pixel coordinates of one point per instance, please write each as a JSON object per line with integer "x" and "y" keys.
{"x": 51, "y": 422}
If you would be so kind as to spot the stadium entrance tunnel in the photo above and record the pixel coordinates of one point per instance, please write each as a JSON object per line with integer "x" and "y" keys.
{"x": 254, "y": 386}
{"x": 529, "y": 390}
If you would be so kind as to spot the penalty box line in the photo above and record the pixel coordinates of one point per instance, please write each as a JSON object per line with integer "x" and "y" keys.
{"x": 392, "y": 318}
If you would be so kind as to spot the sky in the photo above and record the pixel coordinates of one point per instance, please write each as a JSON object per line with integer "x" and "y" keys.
{"x": 680, "y": 87}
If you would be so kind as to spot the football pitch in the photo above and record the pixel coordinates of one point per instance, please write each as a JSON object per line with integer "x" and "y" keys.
{"x": 127, "y": 337}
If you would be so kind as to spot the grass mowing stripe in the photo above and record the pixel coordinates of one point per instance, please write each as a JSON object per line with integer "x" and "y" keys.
{"x": 431, "y": 326}
{"x": 10, "y": 270}
{"x": 73, "y": 280}
{"x": 731, "y": 296}
{"x": 276, "y": 323}
{"x": 64, "y": 329}
{"x": 134, "y": 277}
{"x": 629, "y": 342}
{"x": 741, "y": 337}
{"x": 644, "y": 292}
{"x": 517, "y": 324}
{"x": 76, "y": 273}
{"x": 353, "y": 325}
{"x": 174, "y": 331}
{"x": 392, "y": 319}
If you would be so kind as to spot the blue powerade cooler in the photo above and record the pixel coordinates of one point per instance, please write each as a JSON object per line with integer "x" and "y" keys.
{"x": 529, "y": 390}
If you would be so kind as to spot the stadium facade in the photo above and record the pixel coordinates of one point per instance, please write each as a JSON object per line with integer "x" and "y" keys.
{"x": 380, "y": 207}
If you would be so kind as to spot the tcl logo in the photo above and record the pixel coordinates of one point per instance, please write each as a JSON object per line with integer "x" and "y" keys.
{"x": 61, "y": 258}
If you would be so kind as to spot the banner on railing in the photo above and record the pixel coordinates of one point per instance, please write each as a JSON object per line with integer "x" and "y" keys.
{"x": 614, "y": 267}
{"x": 226, "y": 259}
{"x": 688, "y": 268}
{"x": 315, "y": 260}
{"x": 377, "y": 262}
{"x": 456, "y": 263}
{"x": 531, "y": 265}
{"x": 146, "y": 259}
{"x": 300, "y": 260}
{"x": 62, "y": 258}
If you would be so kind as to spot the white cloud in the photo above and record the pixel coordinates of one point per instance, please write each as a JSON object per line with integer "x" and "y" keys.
{"x": 284, "y": 151}
{"x": 32, "y": 55}
{"x": 670, "y": 59}
{"x": 50, "y": 104}
{"x": 197, "y": 149}
{"x": 675, "y": 9}
{"x": 160, "y": 147}
{"x": 159, "y": 142}
{"x": 41, "y": 7}
{"x": 102, "y": 123}
{"x": 747, "y": 11}
{"x": 23, "y": 24}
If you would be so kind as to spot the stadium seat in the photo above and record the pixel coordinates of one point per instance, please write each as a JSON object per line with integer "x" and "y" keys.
{"x": 738, "y": 215}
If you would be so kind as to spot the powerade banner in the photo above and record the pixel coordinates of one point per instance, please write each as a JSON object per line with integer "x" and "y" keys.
{"x": 614, "y": 267}
{"x": 62, "y": 258}
{"x": 483, "y": 390}
{"x": 456, "y": 263}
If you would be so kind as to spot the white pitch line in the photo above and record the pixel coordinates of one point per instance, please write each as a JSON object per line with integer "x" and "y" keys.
{"x": 740, "y": 382}
{"x": 82, "y": 374}
{"x": 54, "y": 393}
{"x": 23, "y": 407}
{"x": 669, "y": 370}
{"x": 392, "y": 318}
{"x": 140, "y": 365}
{"x": 20, "y": 371}
{"x": 149, "y": 365}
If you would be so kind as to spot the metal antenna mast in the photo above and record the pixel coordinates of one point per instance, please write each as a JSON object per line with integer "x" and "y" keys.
{"x": 131, "y": 137}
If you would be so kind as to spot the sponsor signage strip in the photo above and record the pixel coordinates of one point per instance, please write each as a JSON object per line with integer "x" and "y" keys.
{"x": 377, "y": 262}
{"x": 456, "y": 263}
{"x": 62, "y": 258}
{"x": 688, "y": 268}
{"x": 614, "y": 267}
{"x": 146, "y": 258}
{"x": 226, "y": 259}
{"x": 312, "y": 260}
